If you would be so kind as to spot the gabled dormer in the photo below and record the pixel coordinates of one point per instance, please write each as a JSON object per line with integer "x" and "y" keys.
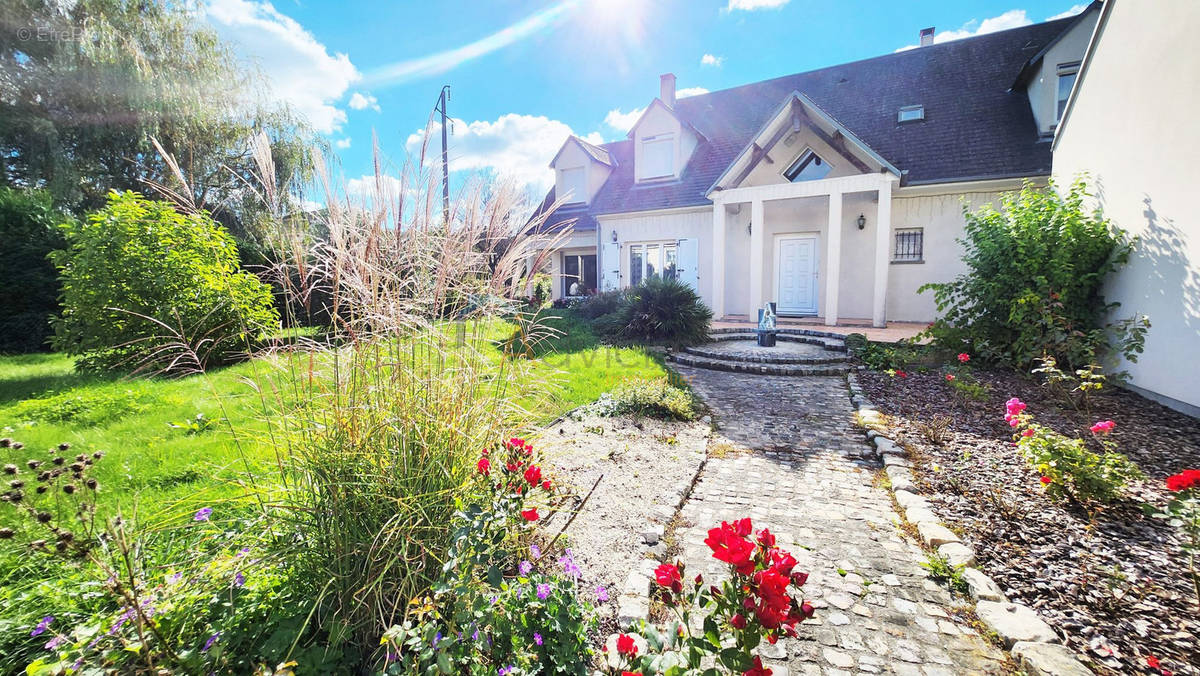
{"x": 1049, "y": 76}
{"x": 662, "y": 142}
{"x": 580, "y": 169}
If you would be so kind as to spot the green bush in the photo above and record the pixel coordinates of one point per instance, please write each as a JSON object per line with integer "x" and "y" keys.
{"x": 655, "y": 398}
{"x": 663, "y": 311}
{"x": 143, "y": 282}
{"x": 28, "y": 280}
{"x": 600, "y": 304}
{"x": 83, "y": 408}
{"x": 884, "y": 356}
{"x": 1036, "y": 269}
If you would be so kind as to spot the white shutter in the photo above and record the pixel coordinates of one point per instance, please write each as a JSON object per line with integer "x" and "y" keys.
{"x": 688, "y": 270}
{"x": 610, "y": 259}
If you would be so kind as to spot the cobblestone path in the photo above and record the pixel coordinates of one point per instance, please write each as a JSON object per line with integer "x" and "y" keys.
{"x": 877, "y": 610}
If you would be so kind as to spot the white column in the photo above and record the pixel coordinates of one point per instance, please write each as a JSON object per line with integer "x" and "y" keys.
{"x": 833, "y": 257}
{"x": 883, "y": 240}
{"x": 757, "y": 228}
{"x": 718, "y": 260}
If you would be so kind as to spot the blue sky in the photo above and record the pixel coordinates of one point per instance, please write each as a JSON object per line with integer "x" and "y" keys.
{"x": 525, "y": 73}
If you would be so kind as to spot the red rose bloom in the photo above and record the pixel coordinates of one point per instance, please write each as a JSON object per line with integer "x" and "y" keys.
{"x": 530, "y": 514}
{"x": 765, "y": 538}
{"x": 758, "y": 669}
{"x": 738, "y": 621}
{"x": 626, "y": 646}
{"x": 1103, "y": 427}
{"x": 782, "y": 562}
{"x": 1047, "y": 480}
{"x": 1184, "y": 480}
{"x": 729, "y": 544}
{"x": 668, "y": 576}
{"x": 901, "y": 374}
{"x": 546, "y": 485}
{"x": 484, "y": 466}
{"x": 949, "y": 377}
{"x": 964, "y": 357}
{"x": 533, "y": 475}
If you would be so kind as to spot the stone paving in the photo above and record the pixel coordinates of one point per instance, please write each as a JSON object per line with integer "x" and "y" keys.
{"x": 807, "y": 480}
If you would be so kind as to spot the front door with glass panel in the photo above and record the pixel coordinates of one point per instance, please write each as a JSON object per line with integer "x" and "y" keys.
{"x": 796, "y": 275}
{"x": 579, "y": 274}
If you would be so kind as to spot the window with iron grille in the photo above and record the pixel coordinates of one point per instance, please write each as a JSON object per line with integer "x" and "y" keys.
{"x": 910, "y": 245}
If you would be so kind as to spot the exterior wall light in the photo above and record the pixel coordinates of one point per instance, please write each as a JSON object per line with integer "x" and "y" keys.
{"x": 749, "y": 228}
{"x": 862, "y": 221}
{"x": 614, "y": 236}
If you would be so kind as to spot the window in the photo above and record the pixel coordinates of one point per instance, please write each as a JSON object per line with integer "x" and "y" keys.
{"x": 579, "y": 274}
{"x": 658, "y": 156}
{"x": 910, "y": 246}
{"x": 911, "y": 114}
{"x": 808, "y": 167}
{"x": 651, "y": 260}
{"x": 573, "y": 188}
{"x": 1067, "y": 72}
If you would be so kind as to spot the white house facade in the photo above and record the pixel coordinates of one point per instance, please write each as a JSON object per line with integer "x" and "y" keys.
{"x": 834, "y": 193}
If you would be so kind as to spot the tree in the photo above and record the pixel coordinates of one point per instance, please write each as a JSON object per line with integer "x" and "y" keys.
{"x": 85, "y": 86}
{"x": 146, "y": 285}
{"x": 28, "y": 280}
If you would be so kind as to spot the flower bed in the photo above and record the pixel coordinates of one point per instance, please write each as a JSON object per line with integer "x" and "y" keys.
{"x": 1113, "y": 581}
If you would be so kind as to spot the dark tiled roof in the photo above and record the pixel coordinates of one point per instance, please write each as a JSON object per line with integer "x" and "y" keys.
{"x": 599, "y": 154}
{"x": 571, "y": 215}
{"x": 975, "y": 127}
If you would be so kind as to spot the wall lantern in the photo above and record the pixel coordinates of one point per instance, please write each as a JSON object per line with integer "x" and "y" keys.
{"x": 614, "y": 236}
{"x": 749, "y": 228}
{"x": 862, "y": 221}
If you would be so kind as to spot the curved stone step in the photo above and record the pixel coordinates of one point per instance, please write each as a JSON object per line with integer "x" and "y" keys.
{"x": 758, "y": 368}
{"x": 782, "y": 358}
{"x": 832, "y": 342}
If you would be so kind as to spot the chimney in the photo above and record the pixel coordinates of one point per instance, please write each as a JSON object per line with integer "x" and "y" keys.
{"x": 666, "y": 89}
{"x": 927, "y": 36}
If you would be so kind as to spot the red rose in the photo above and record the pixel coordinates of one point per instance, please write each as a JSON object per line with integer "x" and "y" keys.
{"x": 668, "y": 576}
{"x": 1184, "y": 480}
{"x": 530, "y": 514}
{"x": 742, "y": 527}
{"x": 631, "y": 673}
{"x": 729, "y": 544}
{"x": 626, "y": 646}
{"x": 758, "y": 669}
{"x": 1047, "y": 480}
{"x": 782, "y": 562}
{"x": 546, "y": 485}
{"x": 949, "y": 377}
{"x": 484, "y": 466}
{"x": 533, "y": 475}
{"x": 964, "y": 357}
{"x": 1103, "y": 427}
{"x": 765, "y": 538}
{"x": 1027, "y": 432}
{"x": 1152, "y": 662}
{"x": 738, "y": 621}
{"x": 901, "y": 374}
{"x": 799, "y": 579}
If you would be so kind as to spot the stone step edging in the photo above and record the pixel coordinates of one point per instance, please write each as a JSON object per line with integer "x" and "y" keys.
{"x": 1033, "y": 643}
{"x": 758, "y": 368}
{"x": 761, "y": 359}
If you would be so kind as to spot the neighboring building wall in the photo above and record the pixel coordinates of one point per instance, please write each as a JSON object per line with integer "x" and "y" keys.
{"x": 1132, "y": 126}
{"x": 662, "y": 226}
{"x": 1043, "y": 85}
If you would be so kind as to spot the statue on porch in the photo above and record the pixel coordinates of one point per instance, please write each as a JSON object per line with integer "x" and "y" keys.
{"x": 766, "y": 325}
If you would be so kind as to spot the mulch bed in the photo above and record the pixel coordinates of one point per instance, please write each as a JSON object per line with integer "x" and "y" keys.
{"x": 1115, "y": 583}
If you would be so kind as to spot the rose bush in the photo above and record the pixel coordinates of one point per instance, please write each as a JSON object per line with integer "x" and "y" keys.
{"x": 760, "y": 601}
{"x": 1183, "y": 512}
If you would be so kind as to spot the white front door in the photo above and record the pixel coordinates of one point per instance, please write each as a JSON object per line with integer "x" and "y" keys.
{"x": 796, "y": 274}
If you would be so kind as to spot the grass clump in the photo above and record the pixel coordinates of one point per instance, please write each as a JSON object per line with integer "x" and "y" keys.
{"x": 87, "y": 408}
{"x": 941, "y": 570}
{"x": 650, "y": 397}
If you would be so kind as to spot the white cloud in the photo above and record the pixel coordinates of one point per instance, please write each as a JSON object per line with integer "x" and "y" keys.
{"x": 299, "y": 69}
{"x": 690, "y": 91}
{"x": 342, "y": 143}
{"x": 1013, "y": 18}
{"x": 514, "y": 146}
{"x": 752, "y": 5}
{"x": 1075, "y": 9}
{"x": 710, "y": 60}
{"x": 365, "y": 186}
{"x": 623, "y": 121}
{"x": 360, "y": 101}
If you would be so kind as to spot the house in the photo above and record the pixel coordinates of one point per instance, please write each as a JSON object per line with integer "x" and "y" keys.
{"x": 1130, "y": 124}
{"x": 835, "y": 193}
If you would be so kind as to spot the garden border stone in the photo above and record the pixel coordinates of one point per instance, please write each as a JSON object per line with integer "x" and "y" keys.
{"x": 1032, "y": 642}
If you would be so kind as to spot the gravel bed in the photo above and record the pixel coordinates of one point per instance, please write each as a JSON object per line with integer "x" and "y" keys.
{"x": 1115, "y": 584}
{"x": 645, "y": 464}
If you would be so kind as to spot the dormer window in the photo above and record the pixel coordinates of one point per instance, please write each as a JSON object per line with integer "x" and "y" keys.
{"x": 911, "y": 114}
{"x": 808, "y": 167}
{"x": 1067, "y": 72}
{"x": 574, "y": 189}
{"x": 658, "y": 156}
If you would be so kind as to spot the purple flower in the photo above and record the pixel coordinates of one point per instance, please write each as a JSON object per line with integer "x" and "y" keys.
{"x": 543, "y": 591}
{"x": 391, "y": 657}
{"x": 525, "y": 567}
{"x": 55, "y": 642}
{"x": 535, "y": 552}
{"x": 475, "y": 634}
{"x": 568, "y": 563}
{"x": 601, "y": 593}
{"x": 243, "y": 551}
{"x": 437, "y": 637}
{"x": 41, "y": 626}
{"x": 537, "y": 638}
{"x": 209, "y": 643}
{"x": 239, "y": 579}
{"x": 505, "y": 671}
{"x": 203, "y": 514}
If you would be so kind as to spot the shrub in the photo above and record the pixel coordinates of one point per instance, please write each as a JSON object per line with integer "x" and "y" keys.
{"x": 1035, "y": 271}
{"x": 144, "y": 281}
{"x": 1183, "y": 512}
{"x": 655, "y": 398}
{"x": 1068, "y": 468}
{"x": 884, "y": 356}
{"x": 600, "y": 304}
{"x": 542, "y": 291}
{"x": 664, "y": 311}
{"x": 28, "y": 280}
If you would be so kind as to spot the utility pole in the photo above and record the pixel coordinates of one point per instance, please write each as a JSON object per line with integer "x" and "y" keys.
{"x": 443, "y": 98}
